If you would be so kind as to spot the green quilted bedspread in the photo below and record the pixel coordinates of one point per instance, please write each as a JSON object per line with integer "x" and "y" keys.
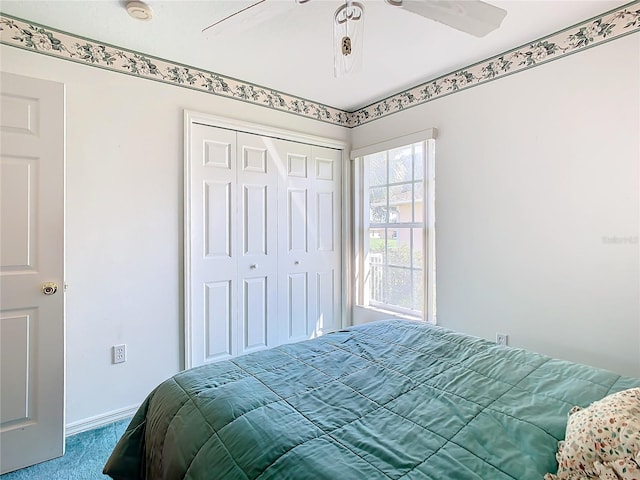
{"x": 391, "y": 399}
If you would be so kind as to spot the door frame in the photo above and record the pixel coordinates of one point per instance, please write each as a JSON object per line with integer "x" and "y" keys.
{"x": 191, "y": 118}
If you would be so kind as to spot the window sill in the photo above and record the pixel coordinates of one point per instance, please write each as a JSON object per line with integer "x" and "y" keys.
{"x": 391, "y": 313}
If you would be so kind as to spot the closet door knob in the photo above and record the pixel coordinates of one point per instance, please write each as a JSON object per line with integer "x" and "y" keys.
{"x": 254, "y": 266}
{"x": 297, "y": 262}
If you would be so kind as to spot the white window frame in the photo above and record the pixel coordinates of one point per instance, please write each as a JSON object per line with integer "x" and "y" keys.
{"x": 364, "y": 308}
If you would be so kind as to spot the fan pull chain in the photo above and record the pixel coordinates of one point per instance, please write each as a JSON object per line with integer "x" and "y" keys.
{"x": 346, "y": 46}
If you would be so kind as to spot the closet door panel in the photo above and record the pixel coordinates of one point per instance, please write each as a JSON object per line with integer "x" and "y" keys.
{"x": 263, "y": 242}
{"x": 218, "y": 322}
{"x": 212, "y": 261}
{"x": 255, "y": 309}
{"x": 297, "y": 308}
{"x": 311, "y": 191}
{"x": 255, "y": 212}
{"x": 258, "y": 325}
{"x": 296, "y": 301}
{"x": 327, "y": 320}
{"x": 325, "y": 219}
{"x": 297, "y": 221}
{"x": 328, "y": 245}
{"x": 217, "y": 219}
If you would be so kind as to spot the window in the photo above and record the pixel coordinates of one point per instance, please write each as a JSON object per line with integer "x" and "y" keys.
{"x": 396, "y": 244}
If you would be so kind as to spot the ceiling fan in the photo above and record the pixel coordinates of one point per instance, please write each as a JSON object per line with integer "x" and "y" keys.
{"x": 474, "y": 17}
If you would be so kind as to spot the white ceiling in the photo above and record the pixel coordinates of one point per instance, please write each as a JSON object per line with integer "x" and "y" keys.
{"x": 288, "y": 47}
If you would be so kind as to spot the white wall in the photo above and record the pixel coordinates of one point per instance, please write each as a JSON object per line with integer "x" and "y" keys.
{"x": 532, "y": 172}
{"x": 124, "y": 223}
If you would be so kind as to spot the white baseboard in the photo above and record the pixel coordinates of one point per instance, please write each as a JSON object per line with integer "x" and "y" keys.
{"x": 100, "y": 420}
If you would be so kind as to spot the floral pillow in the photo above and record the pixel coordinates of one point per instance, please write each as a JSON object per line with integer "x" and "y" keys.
{"x": 602, "y": 441}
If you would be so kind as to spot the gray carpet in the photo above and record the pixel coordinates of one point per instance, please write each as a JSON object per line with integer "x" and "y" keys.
{"x": 84, "y": 458}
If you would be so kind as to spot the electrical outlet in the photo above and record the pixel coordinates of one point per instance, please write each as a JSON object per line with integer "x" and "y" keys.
{"x": 119, "y": 353}
{"x": 502, "y": 338}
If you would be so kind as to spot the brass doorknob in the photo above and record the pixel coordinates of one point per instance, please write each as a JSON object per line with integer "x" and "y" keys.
{"x": 49, "y": 288}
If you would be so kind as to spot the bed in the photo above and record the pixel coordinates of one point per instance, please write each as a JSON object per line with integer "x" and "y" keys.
{"x": 391, "y": 399}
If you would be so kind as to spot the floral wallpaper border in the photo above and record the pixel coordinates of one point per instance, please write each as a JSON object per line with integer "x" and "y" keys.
{"x": 608, "y": 26}
{"x": 38, "y": 38}
{"x": 41, "y": 39}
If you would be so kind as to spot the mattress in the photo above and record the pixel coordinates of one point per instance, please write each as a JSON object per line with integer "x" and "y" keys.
{"x": 387, "y": 400}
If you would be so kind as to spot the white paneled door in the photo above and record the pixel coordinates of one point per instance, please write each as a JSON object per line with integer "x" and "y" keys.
{"x": 211, "y": 179}
{"x": 31, "y": 271}
{"x": 232, "y": 182}
{"x": 310, "y": 239}
{"x": 262, "y": 242}
{"x": 257, "y": 236}
{"x": 327, "y": 184}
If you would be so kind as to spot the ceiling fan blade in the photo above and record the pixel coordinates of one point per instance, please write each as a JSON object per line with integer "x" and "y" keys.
{"x": 471, "y": 16}
{"x": 239, "y": 12}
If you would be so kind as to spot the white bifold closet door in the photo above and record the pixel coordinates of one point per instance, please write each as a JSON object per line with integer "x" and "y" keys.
{"x": 263, "y": 227}
{"x": 257, "y": 244}
{"x": 309, "y": 240}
